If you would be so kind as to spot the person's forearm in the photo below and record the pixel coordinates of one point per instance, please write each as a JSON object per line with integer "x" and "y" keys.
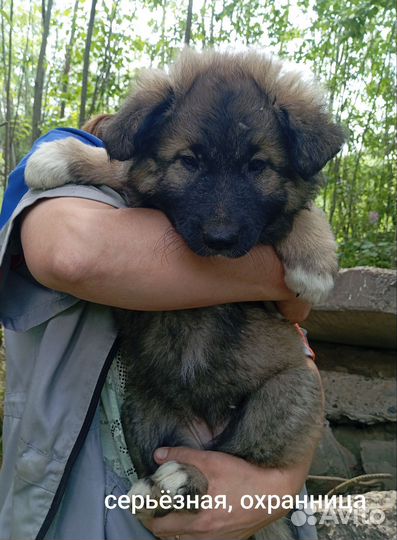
{"x": 132, "y": 258}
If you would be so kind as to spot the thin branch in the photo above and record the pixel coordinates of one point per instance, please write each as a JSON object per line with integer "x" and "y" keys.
{"x": 357, "y": 480}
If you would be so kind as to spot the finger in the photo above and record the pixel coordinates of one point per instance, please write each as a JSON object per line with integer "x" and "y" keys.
{"x": 295, "y": 311}
{"x": 180, "y": 454}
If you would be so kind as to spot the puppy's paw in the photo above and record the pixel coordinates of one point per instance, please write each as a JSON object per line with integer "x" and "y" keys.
{"x": 48, "y": 166}
{"x": 310, "y": 286}
{"x": 170, "y": 486}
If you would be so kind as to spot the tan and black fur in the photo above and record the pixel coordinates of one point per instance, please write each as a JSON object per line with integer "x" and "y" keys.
{"x": 230, "y": 148}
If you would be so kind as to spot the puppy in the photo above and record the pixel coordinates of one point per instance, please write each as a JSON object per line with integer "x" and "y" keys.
{"x": 230, "y": 147}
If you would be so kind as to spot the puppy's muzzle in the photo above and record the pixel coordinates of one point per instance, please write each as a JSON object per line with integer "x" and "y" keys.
{"x": 221, "y": 237}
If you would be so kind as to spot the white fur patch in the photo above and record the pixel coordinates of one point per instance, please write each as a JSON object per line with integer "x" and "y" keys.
{"x": 194, "y": 357}
{"x": 311, "y": 287}
{"x": 171, "y": 477}
{"x": 47, "y": 167}
{"x": 141, "y": 487}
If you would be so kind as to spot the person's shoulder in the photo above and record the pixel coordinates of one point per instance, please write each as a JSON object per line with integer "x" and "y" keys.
{"x": 65, "y": 132}
{"x": 17, "y": 188}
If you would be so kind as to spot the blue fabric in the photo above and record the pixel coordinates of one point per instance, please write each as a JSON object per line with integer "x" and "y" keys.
{"x": 16, "y": 185}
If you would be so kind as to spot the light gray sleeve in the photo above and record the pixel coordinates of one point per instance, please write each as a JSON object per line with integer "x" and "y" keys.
{"x": 24, "y": 303}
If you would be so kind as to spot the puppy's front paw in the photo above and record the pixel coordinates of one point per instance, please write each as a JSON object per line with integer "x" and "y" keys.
{"x": 310, "y": 286}
{"x": 47, "y": 167}
{"x": 171, "y": 484}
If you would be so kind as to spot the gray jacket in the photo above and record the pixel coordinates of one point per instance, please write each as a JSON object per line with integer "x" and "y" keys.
{"x": 53, "y": 480}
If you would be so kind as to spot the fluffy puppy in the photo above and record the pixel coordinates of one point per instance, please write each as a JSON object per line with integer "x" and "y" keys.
{"x": 230, "y": 147}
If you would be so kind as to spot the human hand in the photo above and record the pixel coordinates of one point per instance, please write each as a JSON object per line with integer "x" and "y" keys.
{"x": 294, "y": 310}
{"x": 233, "y": 477}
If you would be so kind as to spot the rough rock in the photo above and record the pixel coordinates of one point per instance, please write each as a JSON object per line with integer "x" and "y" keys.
{"x": 330, "y": 459}
{"x": 380, "y": 507}
{"x": 352, "y": 435}
{"x": 360, "y": 311}
{"x": 380, "y": 456}
{"x": 357, "y": 398}
{"x": 369, "y": 362}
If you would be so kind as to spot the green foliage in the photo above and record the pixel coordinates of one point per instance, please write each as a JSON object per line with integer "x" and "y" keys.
{"x": 347, "y": 44}
{"x": 381, "y": 253}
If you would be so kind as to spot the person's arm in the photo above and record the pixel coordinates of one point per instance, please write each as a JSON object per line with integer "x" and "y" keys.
{"x": 132, "y": 258}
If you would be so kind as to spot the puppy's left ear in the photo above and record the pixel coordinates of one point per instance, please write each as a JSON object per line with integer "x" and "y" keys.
{"x": 312, "y": 139}
{"x": 133, "y": 131}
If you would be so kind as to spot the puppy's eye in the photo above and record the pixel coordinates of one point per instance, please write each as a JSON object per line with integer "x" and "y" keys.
{"x": 189, "y": 162}
{"x": 257, "y": 165}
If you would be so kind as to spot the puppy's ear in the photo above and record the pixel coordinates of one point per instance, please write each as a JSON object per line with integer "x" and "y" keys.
{"x": 312, "y": 138}
{"x": 97, "y": 125}
{"x": 135, "y": 128}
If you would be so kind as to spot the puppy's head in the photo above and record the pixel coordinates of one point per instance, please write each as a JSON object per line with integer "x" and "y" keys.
{"x": 227, "y": 146}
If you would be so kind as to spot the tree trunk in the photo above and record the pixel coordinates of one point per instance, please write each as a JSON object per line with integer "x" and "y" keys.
{"x": 40, "y": 73}
{"x": 87, "y": 50}
{"x": 212, "y": 22}
{"x": 188, "y": 31}
{"x": 163, "y": 15}
{"x": 8, "y": 111}
{"x": 102, "y": 79}
{"x": 203, "y": 29}
{"x": 68, "y": 60}
{"x": 46, "y": 90}
{"x": 24, "y": 70}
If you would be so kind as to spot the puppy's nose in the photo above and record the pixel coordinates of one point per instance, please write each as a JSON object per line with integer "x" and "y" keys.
{"x": 220, "y": 236}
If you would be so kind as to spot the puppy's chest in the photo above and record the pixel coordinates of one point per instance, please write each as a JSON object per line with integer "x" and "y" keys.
{"x": 194, "y": 355}
{"x": 194, "y": 349}
{"x": 186, "y": 349}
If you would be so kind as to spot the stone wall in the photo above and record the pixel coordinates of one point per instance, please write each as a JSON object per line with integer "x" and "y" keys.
{"x": 354, "y": 336}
